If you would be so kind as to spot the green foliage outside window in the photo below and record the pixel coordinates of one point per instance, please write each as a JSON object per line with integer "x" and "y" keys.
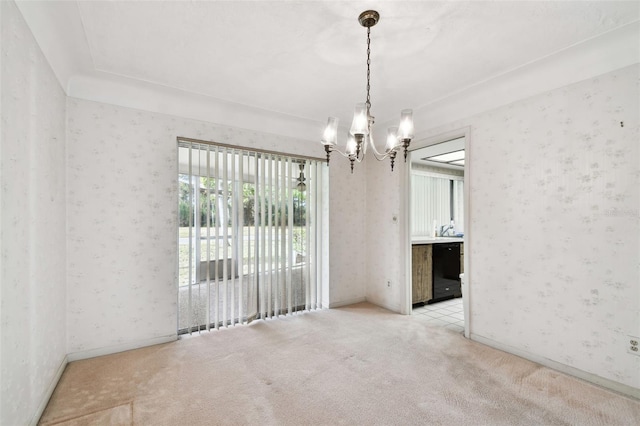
{"x": 211, "y": 200}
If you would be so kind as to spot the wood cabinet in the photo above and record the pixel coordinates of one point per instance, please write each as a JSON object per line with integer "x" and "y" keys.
{"x": 435, "y": 272}
{"x": 421, "y": 273}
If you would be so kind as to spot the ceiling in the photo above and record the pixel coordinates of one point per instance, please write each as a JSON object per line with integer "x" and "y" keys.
{"x": 422, "y": 156}
{"x": 307, "y": 59}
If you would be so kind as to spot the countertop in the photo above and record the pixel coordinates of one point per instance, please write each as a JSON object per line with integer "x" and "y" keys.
{"x": 436, "y": 240}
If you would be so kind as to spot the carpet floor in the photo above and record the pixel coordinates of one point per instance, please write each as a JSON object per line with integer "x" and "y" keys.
{"x": 349, "y": 366}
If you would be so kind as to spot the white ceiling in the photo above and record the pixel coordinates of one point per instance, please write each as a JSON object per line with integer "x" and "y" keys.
{"x": 307, "y": 58}
{"x": 418, "y": 156}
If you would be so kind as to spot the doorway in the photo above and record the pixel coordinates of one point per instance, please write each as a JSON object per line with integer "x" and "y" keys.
{"x": 437, "y": 206}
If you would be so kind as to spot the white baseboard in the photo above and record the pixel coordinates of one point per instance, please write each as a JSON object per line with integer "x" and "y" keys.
{"x": 563, "y": 368}
{"x": 47, "y": 395}
{"x": 347, "y": 302}
{"x": 108, "y": 350}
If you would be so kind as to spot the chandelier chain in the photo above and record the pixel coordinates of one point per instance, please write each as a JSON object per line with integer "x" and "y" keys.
{"x": 368, "y": 69}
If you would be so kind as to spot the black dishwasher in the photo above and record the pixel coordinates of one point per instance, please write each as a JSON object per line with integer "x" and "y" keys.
{"x": 446, "y": 271}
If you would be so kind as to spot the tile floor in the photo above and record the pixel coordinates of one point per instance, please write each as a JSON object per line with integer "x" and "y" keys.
{"x": 448, "y": 314}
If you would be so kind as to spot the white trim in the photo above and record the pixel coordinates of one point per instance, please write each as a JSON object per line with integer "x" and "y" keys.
{"x": 436, "y": 174}
{"x": 108, "y": 350}
{"x": 47, "y": 395}
{"x": 406, "y": 292}
{"x": 347, "y": 302}
{"x": 405, "y": 302}
{"x": 325, "y": 256}
{"x": 466, "y": 302}
{"x": 563, "y": 368}
{"x": 425, "y": 141}
{"x": 130, "y": 93}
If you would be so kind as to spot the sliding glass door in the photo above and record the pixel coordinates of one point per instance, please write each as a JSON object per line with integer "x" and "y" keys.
{"x": 249, "y": 235}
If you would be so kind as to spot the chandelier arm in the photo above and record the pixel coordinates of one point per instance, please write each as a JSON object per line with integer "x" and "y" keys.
{"x": 382, "y": 157}
{"x": 378, "y": 156}
{"x": 335, "y": 149}
{"x": 345, "y": 155}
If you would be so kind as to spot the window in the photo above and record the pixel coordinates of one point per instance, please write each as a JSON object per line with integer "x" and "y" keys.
{"x": 249, "y": 235}
{"x": 436, "y": 200}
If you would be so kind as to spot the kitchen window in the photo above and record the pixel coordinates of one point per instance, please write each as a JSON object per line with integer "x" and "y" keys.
{"x": 437, "y": 200}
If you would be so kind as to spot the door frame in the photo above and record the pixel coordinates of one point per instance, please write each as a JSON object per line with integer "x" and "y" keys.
{"x": 465, "y": 132}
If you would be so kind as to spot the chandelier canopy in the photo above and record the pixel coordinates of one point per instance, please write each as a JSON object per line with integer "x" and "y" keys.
{"x": 361, "y": 132}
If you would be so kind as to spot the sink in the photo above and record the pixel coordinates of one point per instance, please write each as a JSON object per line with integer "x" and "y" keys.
{"x": 436, "y": 240}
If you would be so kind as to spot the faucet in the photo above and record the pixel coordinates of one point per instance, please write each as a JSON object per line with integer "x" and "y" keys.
{"x": 446, "y": 228}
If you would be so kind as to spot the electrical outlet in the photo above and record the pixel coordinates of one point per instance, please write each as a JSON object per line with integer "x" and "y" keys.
{"x": 633, "y": 345}
{"x": 389, "y": 283}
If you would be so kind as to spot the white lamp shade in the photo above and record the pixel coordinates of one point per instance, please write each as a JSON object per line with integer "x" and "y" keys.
{"x": 406, "y": 124}
{"x": 359, "y": 123}
{"x": 392, "y": 139}
{"x": 330, "y": 136}
{"x": 351, "y": 146}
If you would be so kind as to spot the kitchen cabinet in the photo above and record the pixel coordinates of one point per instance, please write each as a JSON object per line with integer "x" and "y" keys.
{"x": 422, "y": 273}
{"x": 436, "y": 268}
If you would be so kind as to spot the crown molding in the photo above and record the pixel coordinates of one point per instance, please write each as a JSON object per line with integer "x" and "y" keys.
{"x": 77, "y": 75}
{"x": 126, "y": 92}
{"x": 608, "y": 52}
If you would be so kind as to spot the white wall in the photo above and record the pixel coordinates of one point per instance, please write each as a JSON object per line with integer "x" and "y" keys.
{"x": 555, "y": 216}
{"x": 85, "y": 269}
{"x": 347, "y": 239}
{"x": 555, "y": 226}
{"x": 384, "y": 236}
{"x": 122, "y": 260}
{"x": 32, "y": 239}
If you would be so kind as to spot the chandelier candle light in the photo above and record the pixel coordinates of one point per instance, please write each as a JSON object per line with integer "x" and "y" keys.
{"x": 360, "y": 134}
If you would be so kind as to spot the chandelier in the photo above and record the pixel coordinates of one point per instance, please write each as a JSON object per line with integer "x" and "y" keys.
{"x": 361, "y": 132}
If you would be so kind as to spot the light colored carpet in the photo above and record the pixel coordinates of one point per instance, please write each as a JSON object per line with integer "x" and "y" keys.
{"x": 355, "y": 365}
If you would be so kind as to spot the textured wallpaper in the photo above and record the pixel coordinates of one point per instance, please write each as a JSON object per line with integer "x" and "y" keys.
{"x": 347, "y": 237}
{"x": 122, "y": 165}
{"x": 555, "y": 225}
{"x": 32, "y": 156}
{"x": 384, "y": 236}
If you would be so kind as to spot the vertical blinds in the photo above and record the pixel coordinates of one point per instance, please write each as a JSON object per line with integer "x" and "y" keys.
{"x": 436, "y": 199}
{"x": 458, "y": 204}
{"x": 249, "y": 235}
{"x": 431, "y": 202}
